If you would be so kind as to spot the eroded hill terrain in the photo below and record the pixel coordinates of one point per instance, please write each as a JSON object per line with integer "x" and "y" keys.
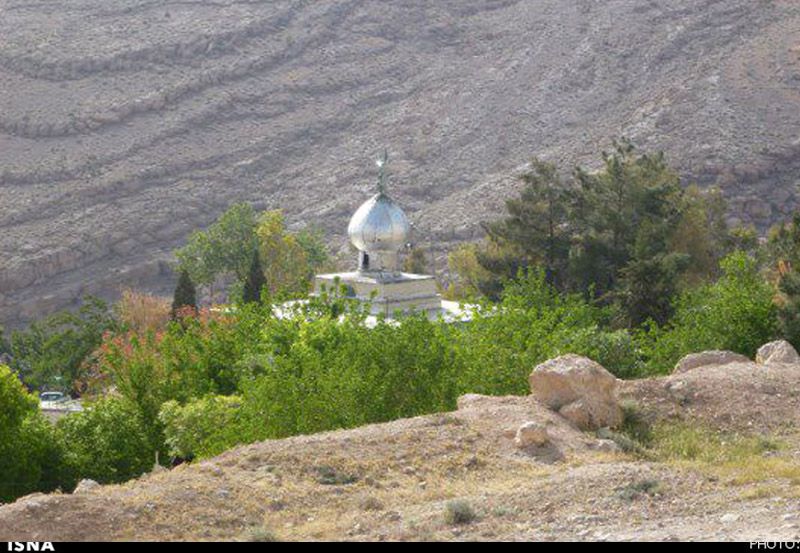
{"x": 125, "y": 124}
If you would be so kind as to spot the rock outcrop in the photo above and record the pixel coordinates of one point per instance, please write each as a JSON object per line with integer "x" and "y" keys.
{"x": 779, "y": 351}
{"x": 705, "y": 358}
{"x": 580, "y": 389}
{"x": 531, "y": 434}
{"x": 85, "y": 486}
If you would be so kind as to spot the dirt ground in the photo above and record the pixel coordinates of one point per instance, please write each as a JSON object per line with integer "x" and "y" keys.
{"x": 400, "y": 480}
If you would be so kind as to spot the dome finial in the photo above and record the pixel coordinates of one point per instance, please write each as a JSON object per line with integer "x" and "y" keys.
{"x": 381, "y": 163}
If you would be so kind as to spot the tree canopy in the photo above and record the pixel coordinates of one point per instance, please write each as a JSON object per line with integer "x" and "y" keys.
{"x": 225, "y": 250}
{"x": 627, "y": 234}
{"x": 225, "y": 247}
{"x": 51, "y": 352}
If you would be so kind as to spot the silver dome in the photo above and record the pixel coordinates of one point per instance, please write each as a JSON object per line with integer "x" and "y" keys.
{"x": 379, "y": 225}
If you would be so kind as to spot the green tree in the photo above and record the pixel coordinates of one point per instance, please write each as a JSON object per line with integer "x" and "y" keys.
{"x": 743, "y": 238}
{"x": 702, "y": 234}
{"x": 285, "y": 263}
{"x": 107, "y": 442}
{"x": 469, "y": 278}
{"x": 256, "y": 281}
{"x": 16, "y": 401}
{"x": 789, "y": 306}
{"x": 734, "y": 313}
{"x": 30, "y": 453}
{"x": 334, "y": 372}
{"x": 52, "y": 352}
{"x": 626, "y": 233}
{"x": 538, "y": 225}
{"x": 203, "y": 427}
{"x": 312, "y": 241}
{"x": 224, "y": 248}
{"x": 783, "y": 253}
{"x": 5, "y": 347}
{"x": 185, "y": 295}
{"x": 648, "y": 284}
{"x": 649, "y": 280}
{"x": 632, "y": 194}
{"x": 195, "y": 357}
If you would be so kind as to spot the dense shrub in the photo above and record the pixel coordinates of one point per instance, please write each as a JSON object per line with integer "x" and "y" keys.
{"x": 323, "y": 368}
{"x": 736, "y": 313}
{"x": 614, "y": 349}
{"x": 339, "y": 373}
{"x": 459, "y": 511}
{"x": 203, "y": 427}
{"x": 304, "y": 374}
{"x": 30, "y": 453}
{"x": 208, "y": 382}
{"x": 107, "y": 442}
{"x": 16, "y": 401}
{"x": 534, "y": 322}
{"x": 782, "y": 256}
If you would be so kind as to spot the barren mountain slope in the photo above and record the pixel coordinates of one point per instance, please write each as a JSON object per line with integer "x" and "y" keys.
{"x": 392, "y": 481}
{"x": 124, "y": 124}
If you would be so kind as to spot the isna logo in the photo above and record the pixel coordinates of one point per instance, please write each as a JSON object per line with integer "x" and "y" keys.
{"x": 19, "y": 546}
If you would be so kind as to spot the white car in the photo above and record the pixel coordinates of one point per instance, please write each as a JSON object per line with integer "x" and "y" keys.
{"x": 58, "y": 404}
{"x": 52, "y": 397}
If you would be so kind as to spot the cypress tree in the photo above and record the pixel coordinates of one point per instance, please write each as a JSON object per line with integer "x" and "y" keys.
{"x": 185, "y": 294}
{"x": 255, "y": 281}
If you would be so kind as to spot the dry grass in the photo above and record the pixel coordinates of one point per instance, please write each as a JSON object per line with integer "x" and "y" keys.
{"x": 261, "y": 534}
{"x": 143, "y": 312}
{"x": 347, "y": 497}
{"x": 735, "y": 458}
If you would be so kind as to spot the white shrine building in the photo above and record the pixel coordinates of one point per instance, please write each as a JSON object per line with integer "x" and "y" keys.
{"x": 380, "y": 230}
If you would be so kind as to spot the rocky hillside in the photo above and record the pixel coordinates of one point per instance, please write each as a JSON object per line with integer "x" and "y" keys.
{"x": 124, "y": 124}
{"x": 498, "y": 468}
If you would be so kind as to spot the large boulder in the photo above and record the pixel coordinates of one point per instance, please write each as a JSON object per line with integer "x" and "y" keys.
{"x": 711, "y": 357}
{"x": 779, "y": 351}
{"x": 578, "y": 388}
